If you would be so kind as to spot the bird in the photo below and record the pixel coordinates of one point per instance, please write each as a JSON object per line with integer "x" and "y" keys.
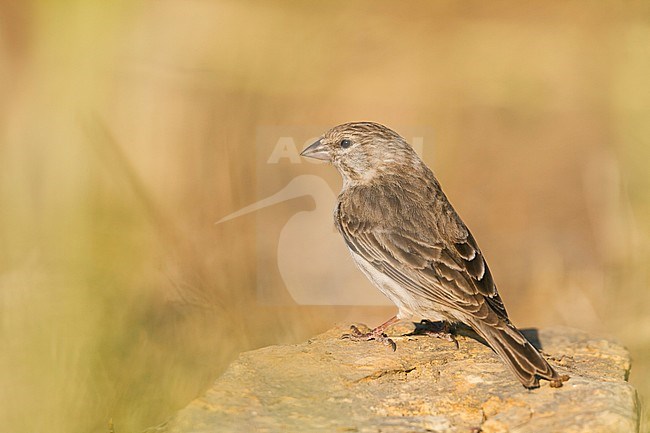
{"x": 406, "y": 237}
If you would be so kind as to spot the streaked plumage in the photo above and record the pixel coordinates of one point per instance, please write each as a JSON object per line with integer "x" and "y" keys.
{"x": 409, "y": 241}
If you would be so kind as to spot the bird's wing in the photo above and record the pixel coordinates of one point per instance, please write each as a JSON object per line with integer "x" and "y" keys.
{"x": 446, "y": 268}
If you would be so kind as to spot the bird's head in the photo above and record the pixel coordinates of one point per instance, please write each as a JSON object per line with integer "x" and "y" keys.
{"x": 362, "y": 150}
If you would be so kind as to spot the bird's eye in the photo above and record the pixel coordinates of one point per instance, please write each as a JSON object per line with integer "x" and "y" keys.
{"x": 345, "y": 143}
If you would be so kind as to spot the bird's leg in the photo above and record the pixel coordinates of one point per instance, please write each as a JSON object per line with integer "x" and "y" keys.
{"x": 376, "y": 334}
{"x": 442, "y": 330}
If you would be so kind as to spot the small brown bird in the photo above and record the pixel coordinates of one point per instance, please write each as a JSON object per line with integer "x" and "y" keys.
{"x": 409, "y": 241}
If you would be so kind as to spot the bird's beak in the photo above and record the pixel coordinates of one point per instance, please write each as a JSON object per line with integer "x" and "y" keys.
{"x": 317, "y": 150}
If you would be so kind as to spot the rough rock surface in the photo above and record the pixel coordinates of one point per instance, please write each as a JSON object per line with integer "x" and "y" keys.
{"x": 428, "y": 385}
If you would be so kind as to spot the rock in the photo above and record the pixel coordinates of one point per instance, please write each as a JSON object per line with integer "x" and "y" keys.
{"x": 428, "y": 385}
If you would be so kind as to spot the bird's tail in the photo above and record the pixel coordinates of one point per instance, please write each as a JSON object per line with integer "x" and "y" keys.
{"x": 516, "y": 351}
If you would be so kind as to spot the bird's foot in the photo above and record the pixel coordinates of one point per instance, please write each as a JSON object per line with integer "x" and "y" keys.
{"x": 442, "y": 330}
{"x": 376, "y": 334}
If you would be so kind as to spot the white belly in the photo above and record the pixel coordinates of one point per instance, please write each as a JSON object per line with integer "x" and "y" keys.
{"x": 408, "y": 306}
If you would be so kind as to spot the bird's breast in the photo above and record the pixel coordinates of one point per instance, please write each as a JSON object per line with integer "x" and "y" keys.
{"x": 399, "y": 296}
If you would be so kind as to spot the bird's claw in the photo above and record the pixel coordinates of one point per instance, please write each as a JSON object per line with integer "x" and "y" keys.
{"x": 442, "y": 330}
{"x": 375, "y": 334}
{"x": 444, "y": 336}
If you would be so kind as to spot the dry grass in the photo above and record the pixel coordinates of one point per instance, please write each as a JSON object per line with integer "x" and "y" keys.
{"x": 127, "y": 129}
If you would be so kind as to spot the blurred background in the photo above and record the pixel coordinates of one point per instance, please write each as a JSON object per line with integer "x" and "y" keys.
{"x": 127, "y": 128}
